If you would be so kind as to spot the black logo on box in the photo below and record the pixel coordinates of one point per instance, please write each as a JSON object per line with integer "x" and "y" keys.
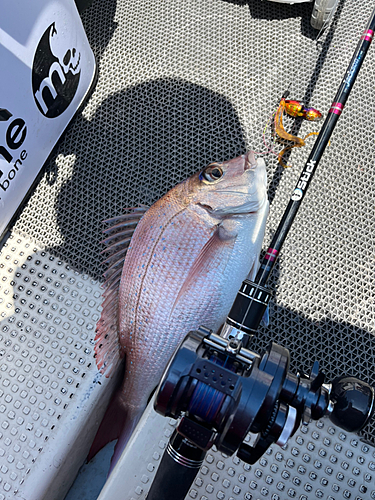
{"x": 56, "y": 72}
{"x": 12, "y": 155}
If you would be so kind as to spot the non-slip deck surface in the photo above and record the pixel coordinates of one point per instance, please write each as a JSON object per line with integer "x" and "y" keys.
{"x": 186, "y": 82}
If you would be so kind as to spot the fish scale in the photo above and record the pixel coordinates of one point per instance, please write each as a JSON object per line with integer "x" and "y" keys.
{"x": 156, "y": 275}
{"x": 186, "y": 260}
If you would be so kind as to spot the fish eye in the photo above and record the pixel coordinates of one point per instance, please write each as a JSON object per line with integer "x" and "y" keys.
{"x": 212, "y": 173}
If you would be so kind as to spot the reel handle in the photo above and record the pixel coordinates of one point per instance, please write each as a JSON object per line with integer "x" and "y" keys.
{"x": 353, "y": 402}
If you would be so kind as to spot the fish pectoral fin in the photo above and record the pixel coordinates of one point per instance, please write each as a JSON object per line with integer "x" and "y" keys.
{"x": 222, "y": 237}
{"x": 108, "y": 352}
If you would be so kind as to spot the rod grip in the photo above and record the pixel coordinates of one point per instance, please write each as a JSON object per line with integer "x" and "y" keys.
{"x": 177, "y": 470}
{"x": 249, "y": 306}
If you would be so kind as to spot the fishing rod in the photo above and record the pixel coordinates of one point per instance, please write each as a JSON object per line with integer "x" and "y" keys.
{"x": 253, "y": 298}
{"x": 221, "y": 392}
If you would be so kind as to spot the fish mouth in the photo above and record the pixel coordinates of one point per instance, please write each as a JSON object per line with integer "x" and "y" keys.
{"x": 250, "y": 161}
{"x": 243, "y": 209}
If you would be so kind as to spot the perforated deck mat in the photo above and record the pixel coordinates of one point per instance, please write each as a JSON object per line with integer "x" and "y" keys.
{"x": 51, "y": 394}
{"x": 186, "y": 82}
{"x": 319, "y": 461}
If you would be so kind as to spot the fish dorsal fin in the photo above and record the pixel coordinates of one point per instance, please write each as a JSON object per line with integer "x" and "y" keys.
{"x": 118, "y": 236}
{"x": 214, "y": 247}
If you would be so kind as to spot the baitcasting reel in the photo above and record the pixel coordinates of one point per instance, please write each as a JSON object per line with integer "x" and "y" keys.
{"x": 224, "y": 393}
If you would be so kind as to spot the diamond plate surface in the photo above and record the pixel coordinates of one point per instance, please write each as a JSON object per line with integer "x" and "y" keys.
{"x": 320, "y": 461}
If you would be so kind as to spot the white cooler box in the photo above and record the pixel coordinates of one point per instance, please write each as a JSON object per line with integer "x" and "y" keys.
{"x": 47, "y": 69}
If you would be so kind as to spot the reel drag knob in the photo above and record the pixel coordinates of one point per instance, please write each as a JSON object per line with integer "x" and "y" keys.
{"x": 353, "y": 402}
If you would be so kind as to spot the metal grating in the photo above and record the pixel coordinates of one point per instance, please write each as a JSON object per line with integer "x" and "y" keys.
{"x": 185, "y": 82}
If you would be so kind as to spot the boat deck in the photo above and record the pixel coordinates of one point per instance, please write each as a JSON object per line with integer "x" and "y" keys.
{"x": 182, "y": 83}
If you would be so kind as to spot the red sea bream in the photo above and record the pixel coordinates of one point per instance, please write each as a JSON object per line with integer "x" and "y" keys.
{"x": 184, "y": 264}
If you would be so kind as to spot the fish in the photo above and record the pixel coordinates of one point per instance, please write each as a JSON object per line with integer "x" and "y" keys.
{"x": 174, "y": 267}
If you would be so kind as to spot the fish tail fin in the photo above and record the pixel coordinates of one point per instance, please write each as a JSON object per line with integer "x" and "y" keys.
{"x": 127, "y": 430}
{"x": 118, "y": 423}
{"x": 108, "y": 352}
{"x": 110, "y": 427}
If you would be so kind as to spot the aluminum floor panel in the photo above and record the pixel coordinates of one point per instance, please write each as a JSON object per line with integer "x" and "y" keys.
{"x": 51, "y": 396}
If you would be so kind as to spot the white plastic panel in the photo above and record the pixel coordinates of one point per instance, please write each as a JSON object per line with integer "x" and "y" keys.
{"x": 47, "y": 69}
